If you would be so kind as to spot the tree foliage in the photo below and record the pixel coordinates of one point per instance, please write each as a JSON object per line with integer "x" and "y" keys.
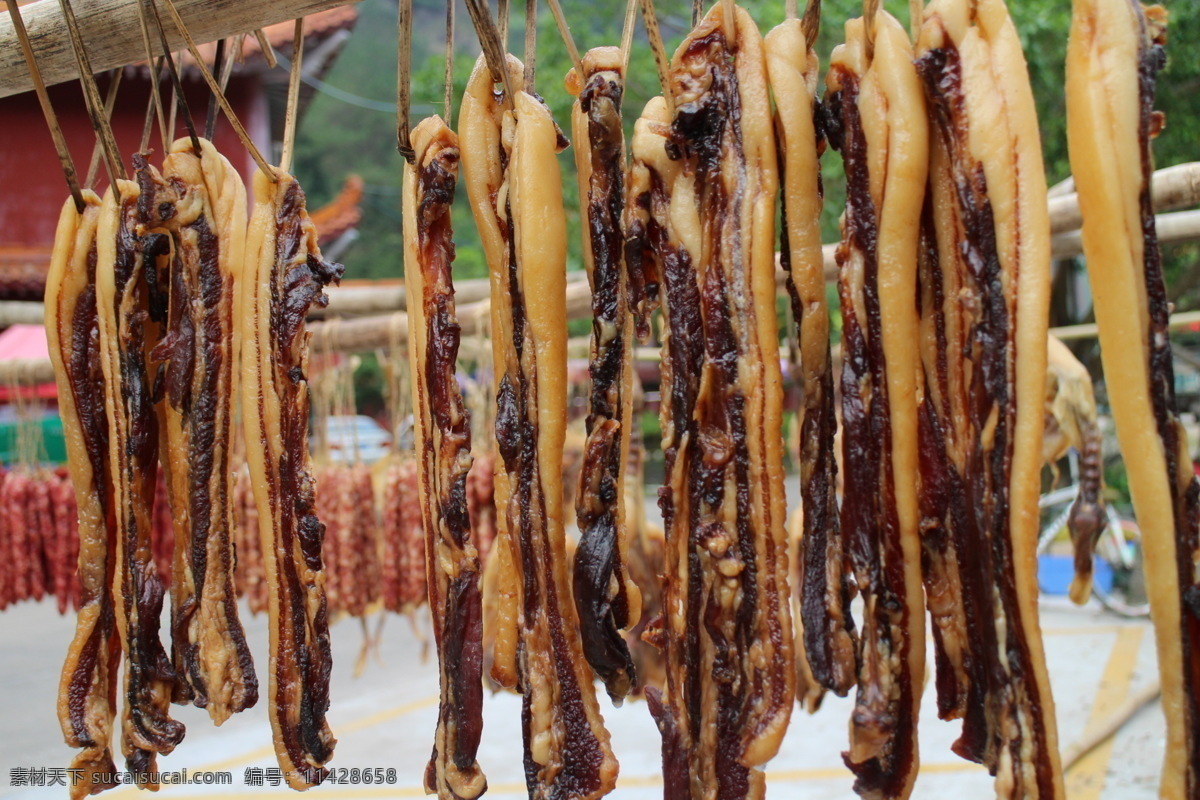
{"x": 336, "y": 138}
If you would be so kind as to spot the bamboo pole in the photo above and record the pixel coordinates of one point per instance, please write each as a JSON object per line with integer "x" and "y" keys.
{"x": 106, "y": 25}
{"x": 1170, "y": 188}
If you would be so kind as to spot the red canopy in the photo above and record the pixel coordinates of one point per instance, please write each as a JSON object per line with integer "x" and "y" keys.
{"x": 26, "y": 342}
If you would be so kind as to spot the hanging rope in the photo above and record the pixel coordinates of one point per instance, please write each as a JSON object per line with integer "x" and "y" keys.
{"x": 697, "y": 12}
{"x": 177, "y": 96}
{"x": 293, "y": 97}
{"x": 210, "y": 117}
{"x": 404, "y": 80}
{"x": 60, "y": 142}
{"x": 153, "y": 107}
{"x": 109, "y": 102}
{"x": 916, "y": 16}
{"x": 91, "y": 97}
{"x": 216, "y": 90}
{"x": 265, "y": 45}
{"x": 502, "y": 16}
{"x": 564, "y": 30}
{"x": 870, "y": 9}
{"x": 448, "y": 78}
{"x": 155, "y": 89}
{"x": 661, "y": 60}
{"x": 627, "y": 34}
{"x": 530, "y": 44}
{"x": 811, "y": 22}
{"x": 491, "y": 42}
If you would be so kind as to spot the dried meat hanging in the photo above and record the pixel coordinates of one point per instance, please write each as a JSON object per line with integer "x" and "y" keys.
{"x": 442, "y": 440}
{"x": 984, "y": 288}
{"x": 707, "y": 152}
{"x": 877, "y": 121}
{"x": 607, "y": 600}
{"x": 87, "y": 691}
{"x": 1116, "y": 50}
{"x": 124, "y": 298}
{"x": 825, "y": 644}
{"x": 509, "y": 145}
{"x": 198, "y": 202}
{"x": 285, "y": 277}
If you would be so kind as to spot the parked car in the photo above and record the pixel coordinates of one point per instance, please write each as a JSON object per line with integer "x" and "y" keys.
{"x": 356, "y": 438}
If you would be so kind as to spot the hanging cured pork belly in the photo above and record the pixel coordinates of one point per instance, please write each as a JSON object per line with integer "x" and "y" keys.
{"x": 126, "y": 257}
{"x": 710, "y": 214}
{"x": 201, "y": 201}
{"x": 606, "y": 598}
{"x": 984, "y": 293}
{"x": 1115, "y": 52}
{"x": 442, "y": 431}
{"x": 86, "y": 695}
{"x": 877, "y": 122}
{"x": 825, "y": 646}
{"x": 509, "y": 147}
{"x": 285, "y": 277}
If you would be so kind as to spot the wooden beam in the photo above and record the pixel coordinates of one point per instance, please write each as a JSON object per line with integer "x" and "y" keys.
{"x": 1171, "y": 188}
{"x": 109, "y": 29}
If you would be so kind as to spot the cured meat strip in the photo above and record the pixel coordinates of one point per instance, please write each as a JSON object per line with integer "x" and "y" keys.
{"x": 285, "y": 277}
{"x": 984, "y": 298}
{"x": 126, "y": 255}
{"x": 606, "y": 598}
{"x": 824, "y": 587}
{"x": 442, "y": 431}
{"x": 201, "y": 201}
{"x": 877, "y": 122}
{"x": 87, "y": 689}
{"x": 509, "y": 148}
{"x": 727, "y": 629}
{"x": 1115, "y": 52}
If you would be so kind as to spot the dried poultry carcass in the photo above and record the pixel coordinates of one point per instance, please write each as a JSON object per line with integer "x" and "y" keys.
{"x": 87, "y": 689}
{"x": 127, "y": 254}
{"x": 1115, "y": 52}
{"x": 1071, "y": 421}
{"x": 876, "y": 120}
{"x": 200, "y": 200}
{"x": 285, "y": 276}
{"x": 509, "y": 151}
{"x": 442, "y": 442}
{"x": 825, "y": 646}
{"x": 606, "y": 598}
{"x": 984, "y": 305}
{"x": 710, "y": 171}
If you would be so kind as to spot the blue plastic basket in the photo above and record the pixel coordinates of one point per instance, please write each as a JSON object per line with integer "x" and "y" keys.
{"x": 1055, "y": 574}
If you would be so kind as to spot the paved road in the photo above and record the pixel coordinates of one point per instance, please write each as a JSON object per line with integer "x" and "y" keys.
{"x": 385, "y": 718}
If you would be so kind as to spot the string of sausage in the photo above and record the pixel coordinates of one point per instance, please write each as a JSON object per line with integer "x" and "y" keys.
{"x": 1115, "y": 52}
{"x": 727, "y": 630}
{"x": 606, "y": 598}
{"x": 984, "y": 282}
{"x": 126, "y": 256}
{"x": 512, "y": 177}
{"x": 443, "y": 446}
{"x": 86, "y": 697}
{"x": 826, "y": 640}
{"x": 285, "y": 277}
{"x": 877, "y": 122}
{"x": 200, "y": 200}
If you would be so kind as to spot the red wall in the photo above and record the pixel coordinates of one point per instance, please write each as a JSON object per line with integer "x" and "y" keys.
{"x": 33, "y": 185}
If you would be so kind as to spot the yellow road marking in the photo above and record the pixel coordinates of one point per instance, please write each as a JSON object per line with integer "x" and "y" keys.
{"x": 1085, "y": 781}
